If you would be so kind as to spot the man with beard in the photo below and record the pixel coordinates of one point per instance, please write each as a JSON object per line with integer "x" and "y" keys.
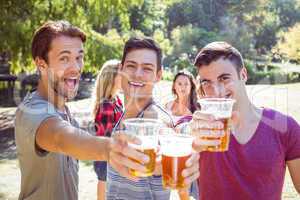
{"x": 48, "y": 139}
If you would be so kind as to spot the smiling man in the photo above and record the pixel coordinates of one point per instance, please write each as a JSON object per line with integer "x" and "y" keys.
{"x": 264, "y": 141}
{"x": 48, "y": 139}
{"x": 141, "y": 69}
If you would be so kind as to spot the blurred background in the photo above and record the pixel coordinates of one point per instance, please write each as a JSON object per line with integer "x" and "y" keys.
{"x": 267, "y": 32}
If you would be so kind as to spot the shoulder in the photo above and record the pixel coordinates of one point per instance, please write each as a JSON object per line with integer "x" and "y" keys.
{"x": 278, "y": 121}
{"x": 33, "y": 106}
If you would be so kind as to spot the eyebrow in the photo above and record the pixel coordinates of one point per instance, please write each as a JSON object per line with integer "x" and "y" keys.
{"x": 203, "y": 80}
{"x": 69, "y": 52}
{"x": 225, "y": 74}
{"x": 222, "y": 75}
{"x": 133, "y": 62}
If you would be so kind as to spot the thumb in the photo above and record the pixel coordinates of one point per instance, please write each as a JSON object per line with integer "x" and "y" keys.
{"x": 235, "y": 118}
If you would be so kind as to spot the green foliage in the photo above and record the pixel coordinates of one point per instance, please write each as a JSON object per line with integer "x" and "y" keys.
{"x": 186, "y": 41}
{"x": 19, "y": 19}
{"x": 289, "y": 46}
{"x": 101, "y": 48}
{"x": 181, "y": 27}
{"x": 168, "y": 75}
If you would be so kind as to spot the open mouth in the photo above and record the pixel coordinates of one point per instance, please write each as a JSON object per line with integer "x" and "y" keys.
{"x": 228, "y": 96}
{"x": 71, "y": 82}
{"x": 136, "y": 84}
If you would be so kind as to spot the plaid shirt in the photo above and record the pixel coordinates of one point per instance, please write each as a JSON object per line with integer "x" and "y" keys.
{"x": 107, "y": 115}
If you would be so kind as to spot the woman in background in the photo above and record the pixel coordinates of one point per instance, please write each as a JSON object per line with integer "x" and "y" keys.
{"x": 185, "y": 102}
{"x": 107, "y": 109}
{"x": 181, "y": 110}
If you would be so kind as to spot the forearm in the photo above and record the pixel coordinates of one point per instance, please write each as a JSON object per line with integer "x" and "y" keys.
{"x": 81, "y": 145}
{"x": 59, "y": 136}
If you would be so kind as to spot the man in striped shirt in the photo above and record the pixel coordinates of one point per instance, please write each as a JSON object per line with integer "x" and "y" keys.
{"x": 141, "y": 69}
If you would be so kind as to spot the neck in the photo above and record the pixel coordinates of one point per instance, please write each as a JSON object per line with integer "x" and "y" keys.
{"x": 134, "y": 105}
{"x": 51, "y": 96}
{"x": 248, "y": 113}
{"x": 183, "y": 101}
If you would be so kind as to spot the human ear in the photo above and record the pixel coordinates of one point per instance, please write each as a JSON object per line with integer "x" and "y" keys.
{"x": 244, "y": 74}
{"x": 159, "y": 75}
{"x": 40, "y": 63}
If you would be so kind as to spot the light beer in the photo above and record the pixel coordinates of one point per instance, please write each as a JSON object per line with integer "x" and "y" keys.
{"x": 150, "y": 166}
{"x": 172, "y": 171}
{"x": 223, "y": 146}
{"x": 176, "y": 149}
{"x": 148, "y": 147}
{"x": 221, "y": 109}
{"x": 147, "y": 131}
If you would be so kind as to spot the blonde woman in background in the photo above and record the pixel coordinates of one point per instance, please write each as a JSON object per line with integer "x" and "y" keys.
{"x": 107, "y": 109}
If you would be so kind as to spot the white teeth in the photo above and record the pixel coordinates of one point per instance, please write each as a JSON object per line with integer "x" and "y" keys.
{"x": 136, "y": 84}
{"x": 73, "y": 78}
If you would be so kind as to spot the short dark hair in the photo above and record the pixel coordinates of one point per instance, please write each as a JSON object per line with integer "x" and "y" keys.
{"x": 44, "y": 35}
{"x": 142, "y": 43}
{"x": 216, "y": 50}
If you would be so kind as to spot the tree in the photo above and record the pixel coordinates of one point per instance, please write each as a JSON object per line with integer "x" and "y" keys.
{"x": 289, "y": 45}
{"x": 19, "y": 19}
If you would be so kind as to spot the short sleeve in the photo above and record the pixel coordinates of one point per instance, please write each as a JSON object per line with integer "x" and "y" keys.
{"x": 292, "y": 143}
{"x": 29, "y": 117}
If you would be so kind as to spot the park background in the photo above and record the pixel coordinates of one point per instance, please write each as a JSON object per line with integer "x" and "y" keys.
{"x": 267, "y": 32}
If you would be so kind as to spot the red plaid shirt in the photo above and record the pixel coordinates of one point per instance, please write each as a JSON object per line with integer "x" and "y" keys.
{"x": 107, "y": 116}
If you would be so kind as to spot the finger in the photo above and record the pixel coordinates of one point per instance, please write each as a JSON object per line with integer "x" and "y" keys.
{"x": 190, "y": 179}
{"x": 200, "y": 145}
{"x": 123, "y": 171}
{"x": 204, "y": 142}
{"x": 191, "y": 170}
{"x": 126, "y": 162}
{"x": 202, "y": 124}
{"x": 199, "y": 115}
{"x": 118, "y": 145}
{"x": 134, "y": 154}
{"x": 235, "y": 117}
{"x": 158, "y": 166}
{"x": 124, "y": 137}
{"x": 194, "y": 158}
{"x": 216, "y": 133}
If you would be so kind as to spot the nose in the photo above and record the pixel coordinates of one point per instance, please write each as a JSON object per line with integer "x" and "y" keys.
{"x": 76, "y": 67}
{"x": 218, "y": 90}
{"x": 139, "y": 72}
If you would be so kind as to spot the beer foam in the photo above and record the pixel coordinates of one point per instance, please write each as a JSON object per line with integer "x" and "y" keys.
{"x": 219, "y": 107}
{"x": 176, "y": 146}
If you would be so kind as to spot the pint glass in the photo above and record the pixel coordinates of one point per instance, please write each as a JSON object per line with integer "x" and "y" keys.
{"x": 147, "y": 131}
{"x": 176, "y": 148}
{"x": 221, "y": 109}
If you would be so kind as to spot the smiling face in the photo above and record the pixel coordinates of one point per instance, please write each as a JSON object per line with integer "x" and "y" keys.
{"x": 182, "y": 86}
{"x": 221, "y": 79}
{"x": 139, "y": 73}
{"x": 62, "y": 71}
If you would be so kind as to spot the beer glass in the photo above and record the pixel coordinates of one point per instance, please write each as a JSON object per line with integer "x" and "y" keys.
{"x": 176, "y": 148}
{"x": 147, "y": 131}
{"x": 221, "y": 109}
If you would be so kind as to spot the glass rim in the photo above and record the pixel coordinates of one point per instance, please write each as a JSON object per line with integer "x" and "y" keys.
{"x": 216, "y": 100}
{"x": 139, "y": 121}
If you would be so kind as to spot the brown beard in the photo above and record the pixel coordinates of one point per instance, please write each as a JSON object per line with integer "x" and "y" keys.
{"x": 55, "y": 85}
